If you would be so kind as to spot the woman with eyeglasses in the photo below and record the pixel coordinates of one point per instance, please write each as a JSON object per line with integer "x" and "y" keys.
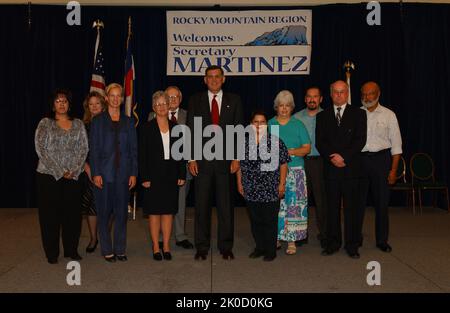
{"x": 261, "y": 181}
{"x": 62, "y": 146}
{"x": 293, "y": 215}
{"x": 161, "y": 175}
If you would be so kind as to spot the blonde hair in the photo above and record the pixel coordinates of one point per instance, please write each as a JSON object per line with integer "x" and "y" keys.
{"x": 159, "y": 94}
{"x": 87, "y": 117}
{"x": 112, "y": 86}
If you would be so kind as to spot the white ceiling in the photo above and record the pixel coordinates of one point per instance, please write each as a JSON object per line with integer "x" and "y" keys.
{"x": 208, "y": 2}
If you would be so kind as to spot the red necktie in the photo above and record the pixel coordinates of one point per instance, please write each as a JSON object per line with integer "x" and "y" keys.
{"x": 173, "y": 117}
{"x": 215, "y": 111}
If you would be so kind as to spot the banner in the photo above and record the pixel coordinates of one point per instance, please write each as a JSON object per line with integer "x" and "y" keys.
{"x": 241, "y": 42}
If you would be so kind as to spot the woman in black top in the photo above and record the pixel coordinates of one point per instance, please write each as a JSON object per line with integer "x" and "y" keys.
{"x": 160, "y": 174}
{"x": 93, "y": 104}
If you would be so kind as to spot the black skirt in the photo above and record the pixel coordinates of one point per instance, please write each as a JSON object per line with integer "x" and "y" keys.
{"x": 87, "y": 198}
{"x": 161, "y": 198}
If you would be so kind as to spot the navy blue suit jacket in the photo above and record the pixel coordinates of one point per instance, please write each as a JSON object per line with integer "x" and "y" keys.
{"x": 103, "y": 149}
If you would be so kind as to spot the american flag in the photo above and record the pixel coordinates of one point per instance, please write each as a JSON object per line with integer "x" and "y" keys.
{"x": 130, "y": 101}
{"x": 98, "y": 74}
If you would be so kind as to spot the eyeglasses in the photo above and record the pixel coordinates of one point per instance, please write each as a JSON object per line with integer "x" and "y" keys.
{"x": 259, "y": 122}
{"x": 161, "y": 104}
{"x": 61, "y": 101}
{"x": 173, "y": 97}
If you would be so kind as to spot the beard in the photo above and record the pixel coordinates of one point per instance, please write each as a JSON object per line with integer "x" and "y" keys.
{"x": 312, "y": 108}
{"x": 369, "y": 104}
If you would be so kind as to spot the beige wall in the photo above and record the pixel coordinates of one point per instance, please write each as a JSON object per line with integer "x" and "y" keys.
{"x": 208, "y": 2}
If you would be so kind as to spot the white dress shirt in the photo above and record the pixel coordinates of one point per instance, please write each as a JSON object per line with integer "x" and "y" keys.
{"x": 383, "y": 131}
{"x": 342, "y": 109}
{"x": 166, "y": 143}
{"x": 218, "y": 99}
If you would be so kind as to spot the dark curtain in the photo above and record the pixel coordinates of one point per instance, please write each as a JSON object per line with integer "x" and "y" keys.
{"x": 408, "y": 55}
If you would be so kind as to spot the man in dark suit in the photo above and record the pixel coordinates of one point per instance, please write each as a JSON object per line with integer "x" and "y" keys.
{"x": 179, "y": 116}
{"x": 214, "y": 177}
{"x": 341, "y": 133}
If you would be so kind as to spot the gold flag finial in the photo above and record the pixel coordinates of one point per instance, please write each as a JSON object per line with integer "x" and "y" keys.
{"x": 349, "y": 65}
{"x": 98, "y": 24}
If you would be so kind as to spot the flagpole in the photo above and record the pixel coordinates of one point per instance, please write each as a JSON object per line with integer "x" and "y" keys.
{"x": 349, "y": 65}
{"x": 129, "y": 30}
{"x": 97, "y": 24}
{"x": 132, "y": 108}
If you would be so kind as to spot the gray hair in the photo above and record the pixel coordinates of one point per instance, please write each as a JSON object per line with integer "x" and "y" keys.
{"x": 284, "y": 96}
{"x": 339, "y": 81}
{"x": 159, "y": 94}
{"x": 177, "y": 89}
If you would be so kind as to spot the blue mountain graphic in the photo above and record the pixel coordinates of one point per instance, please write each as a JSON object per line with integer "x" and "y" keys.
{"x": 288, "y": 35}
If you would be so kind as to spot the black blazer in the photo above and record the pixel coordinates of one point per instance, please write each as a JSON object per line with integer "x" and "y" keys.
{"x": 152, "y": 165}
{"x": 231, "y": 113}
{"x": 348, "y": 140}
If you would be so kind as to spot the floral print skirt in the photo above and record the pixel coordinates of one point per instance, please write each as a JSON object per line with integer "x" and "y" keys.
{"x": 293, "y": 214}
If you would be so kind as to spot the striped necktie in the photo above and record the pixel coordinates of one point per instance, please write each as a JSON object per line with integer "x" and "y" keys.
{"x": 338, "y": 116}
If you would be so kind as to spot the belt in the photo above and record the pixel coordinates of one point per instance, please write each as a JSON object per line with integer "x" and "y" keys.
{"x": 313, "y": 157}
{"x": 369, "y": 154}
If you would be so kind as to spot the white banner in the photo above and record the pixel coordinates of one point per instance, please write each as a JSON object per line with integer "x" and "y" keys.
{"x": 241, "y": 42}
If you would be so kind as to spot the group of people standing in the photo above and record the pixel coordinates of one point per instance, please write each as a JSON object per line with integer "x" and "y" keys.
{"x": 70, "y": 182}
{"x": 335, "y": 155}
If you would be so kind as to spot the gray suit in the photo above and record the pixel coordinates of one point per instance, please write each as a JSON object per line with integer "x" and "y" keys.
{"x": 179, "y": 220}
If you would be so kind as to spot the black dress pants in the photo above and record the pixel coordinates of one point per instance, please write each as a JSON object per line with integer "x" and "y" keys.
{"x": 59, "y": 204}
{"x": 214, "y": 179}
{"x": 347, "y": 189}
{"x": 316, "y": 186}
{"x": 376, "y": 170}
{"x": 264, "y": 226}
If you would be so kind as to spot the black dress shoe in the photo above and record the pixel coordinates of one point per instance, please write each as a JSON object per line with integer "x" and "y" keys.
{"x": 110, "y": 259}
{"x": 228, "y": 255}
{"x": 75, "y": 256}
{"x": 157, "y": 256}
{"x": 256, "y": 254}
{"x": 167, "y": 256}
{"x": 384, "y": 247}
{"x": 269, "y": 258}
{"x": 186, "y": 244}
{"x": 122, "y": 258}
{"x": 90, "y": 249}
{"x": 328, "y": 251}
{"x": 201, "y": 255}
{"x": 52, "y": 260}
{"x": 353, "y": 254}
